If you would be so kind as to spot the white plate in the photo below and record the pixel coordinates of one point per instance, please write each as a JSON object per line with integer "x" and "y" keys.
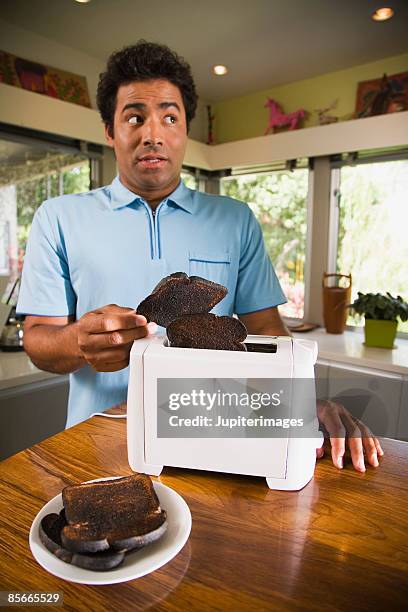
{"x": 135, "y": 564}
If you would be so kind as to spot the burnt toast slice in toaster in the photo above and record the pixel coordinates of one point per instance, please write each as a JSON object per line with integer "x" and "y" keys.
{"x": 178, "y": 295}
{"x": 207, "y": 331}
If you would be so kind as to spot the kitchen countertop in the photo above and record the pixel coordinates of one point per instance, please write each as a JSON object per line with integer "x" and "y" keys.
{"x": 349, "y": 348}
{"x": 17, "y": 369}
{"x": 339, "y": 544}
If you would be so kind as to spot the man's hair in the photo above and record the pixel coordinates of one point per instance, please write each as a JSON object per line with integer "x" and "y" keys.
{"x": 142, "y": 62}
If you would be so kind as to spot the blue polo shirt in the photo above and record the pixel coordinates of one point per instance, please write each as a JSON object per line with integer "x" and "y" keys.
{"x": 106, "y": 247}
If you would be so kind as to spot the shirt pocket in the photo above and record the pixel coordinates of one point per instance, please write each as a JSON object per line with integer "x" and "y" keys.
{"x": 213, "y": 266}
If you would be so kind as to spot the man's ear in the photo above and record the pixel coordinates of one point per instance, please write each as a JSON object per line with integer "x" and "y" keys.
{"x": 109, "y": 134}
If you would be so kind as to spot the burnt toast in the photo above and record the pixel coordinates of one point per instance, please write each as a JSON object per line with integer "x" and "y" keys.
{"x": 177, "y": 295}
{"x": 207, "y": 331}
{"x": 102, "y": 521}
{"x": 120, "y": 514}
{"x": 50, "y": 535}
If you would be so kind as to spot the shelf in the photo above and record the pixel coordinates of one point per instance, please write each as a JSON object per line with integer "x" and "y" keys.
{"x": 39, "y": 112}
{"x": 349, "y": 349}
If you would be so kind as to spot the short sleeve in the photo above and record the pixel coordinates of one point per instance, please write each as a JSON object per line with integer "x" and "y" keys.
{"x": 45, "y": 286}
{"x": 258, "y": 286}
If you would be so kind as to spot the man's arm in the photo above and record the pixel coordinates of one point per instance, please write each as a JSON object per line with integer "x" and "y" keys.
{"x": 52, "y": 343}
{"x": 102, "y": 339}
{"x": 266, "y": 322}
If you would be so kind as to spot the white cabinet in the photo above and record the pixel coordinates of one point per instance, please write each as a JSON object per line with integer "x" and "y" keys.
{"x": 377, "y": 397}
{"x": 370, "y": 395}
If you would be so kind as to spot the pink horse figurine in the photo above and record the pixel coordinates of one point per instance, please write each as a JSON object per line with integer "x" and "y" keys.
{"x": 277, "y": 117}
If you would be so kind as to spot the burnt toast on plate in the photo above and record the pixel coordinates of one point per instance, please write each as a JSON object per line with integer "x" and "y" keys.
{"x": 50, "y": 535}
{"x": 101, "y": 521}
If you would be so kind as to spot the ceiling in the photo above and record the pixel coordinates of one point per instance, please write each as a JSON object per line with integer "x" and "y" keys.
{"x": 263, "y": 42}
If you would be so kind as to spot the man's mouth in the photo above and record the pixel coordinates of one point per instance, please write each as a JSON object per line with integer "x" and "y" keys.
{"x": 152, "y": 161}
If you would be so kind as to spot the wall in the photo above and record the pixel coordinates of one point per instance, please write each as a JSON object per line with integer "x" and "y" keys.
{"x": 246, "y": 117}
{"x": 29, "y": 45}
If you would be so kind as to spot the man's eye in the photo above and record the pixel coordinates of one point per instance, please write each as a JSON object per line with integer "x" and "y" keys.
{"x": 135, "y": 119}
{"x": 170, "y": 119}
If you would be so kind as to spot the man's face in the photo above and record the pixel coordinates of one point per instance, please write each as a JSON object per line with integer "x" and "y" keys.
{"x": 149, "y": 137}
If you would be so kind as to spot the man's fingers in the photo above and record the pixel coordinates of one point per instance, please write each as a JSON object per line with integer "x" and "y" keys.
{"x": 337, "y": 421}
{"x": 368, "y": 440}
{"x": 378, "y": 447}
{"x": 113, "y": 308}
{"x": 105, "y": 336}
{"x": 97, "y": 323}
{"x": 109, "y": 355}
{"x": 119, "y": 337}
{"x": 338, "y": 448}
{"x": 337, "y": 432}
{"x": 361, "y": 440}
{"x": 370, "y": 450}
{"x": 98, "y": 357}
{"x": 357, "y": 455}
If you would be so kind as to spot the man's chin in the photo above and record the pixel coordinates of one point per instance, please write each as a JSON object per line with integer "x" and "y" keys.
{"x": 155, "y": 182}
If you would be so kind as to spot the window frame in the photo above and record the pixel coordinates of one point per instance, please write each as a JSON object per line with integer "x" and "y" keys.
{"x": 338, "y": 162}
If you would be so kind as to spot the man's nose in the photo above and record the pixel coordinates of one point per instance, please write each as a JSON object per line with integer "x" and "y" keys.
{"x": 152, "y": 134}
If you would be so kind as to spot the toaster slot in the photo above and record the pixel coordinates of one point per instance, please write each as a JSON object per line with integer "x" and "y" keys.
{"x": 258, "y": 347}
{"x": 251, "y": 347}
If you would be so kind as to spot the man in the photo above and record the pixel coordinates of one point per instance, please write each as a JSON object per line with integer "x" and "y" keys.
{"x": 91, "y": 258}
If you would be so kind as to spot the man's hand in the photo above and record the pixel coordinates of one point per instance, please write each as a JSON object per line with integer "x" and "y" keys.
{"x": 105, "y": 336}
{"x": 340, "y": 424}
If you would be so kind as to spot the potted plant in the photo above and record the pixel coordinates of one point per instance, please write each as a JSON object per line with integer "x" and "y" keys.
{"x": 380, "y": 313}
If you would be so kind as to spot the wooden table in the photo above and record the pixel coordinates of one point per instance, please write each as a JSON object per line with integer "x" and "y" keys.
{"x": 339, "y": 544}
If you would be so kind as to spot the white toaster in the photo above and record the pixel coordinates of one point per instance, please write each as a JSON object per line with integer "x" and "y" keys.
{"x": 287, "y": 460}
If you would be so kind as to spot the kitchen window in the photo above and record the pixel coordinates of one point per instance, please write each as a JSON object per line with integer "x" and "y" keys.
{"x": 369, "y": 220}
{"x": 279, "y": 200}
{"x": 189, "y": 179}
{"x": 32, "y": 171}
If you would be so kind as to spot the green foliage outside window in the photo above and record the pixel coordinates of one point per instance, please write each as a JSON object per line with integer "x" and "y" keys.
{"x": 373, "y": 221}
{"x": 189, "y": 180}
{"x": 32, "y": 192}
{"x": 279, "y": 201}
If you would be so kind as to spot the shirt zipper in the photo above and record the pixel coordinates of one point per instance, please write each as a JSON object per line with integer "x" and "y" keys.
{"x": 155, "y": 241}
{"x": 155, "y": 233}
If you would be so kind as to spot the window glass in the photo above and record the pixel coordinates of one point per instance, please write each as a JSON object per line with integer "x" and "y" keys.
{"x": 189, "y": 180}
{"x": 373, "y": 221}
{"x": 279, "y": 201}
{"x": 29, "y": 175}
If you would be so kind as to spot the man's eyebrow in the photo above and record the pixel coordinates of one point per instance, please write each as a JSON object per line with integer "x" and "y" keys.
{"x": 142, "y": 106}
{"x": 168, "y": 104}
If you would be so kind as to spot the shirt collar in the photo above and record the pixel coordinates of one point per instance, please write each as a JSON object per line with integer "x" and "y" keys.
{"x": 122, "y": 196}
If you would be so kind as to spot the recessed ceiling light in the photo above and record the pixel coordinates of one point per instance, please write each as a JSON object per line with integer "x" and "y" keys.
{"x": 382, "y": 14}
{"x": 220, "y": 70}
{"x": 83, "y": 1}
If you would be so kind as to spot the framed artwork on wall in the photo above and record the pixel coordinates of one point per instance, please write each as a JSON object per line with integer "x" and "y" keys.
{"x": 388, "y": 94}
{"x": 43, "y": 79}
